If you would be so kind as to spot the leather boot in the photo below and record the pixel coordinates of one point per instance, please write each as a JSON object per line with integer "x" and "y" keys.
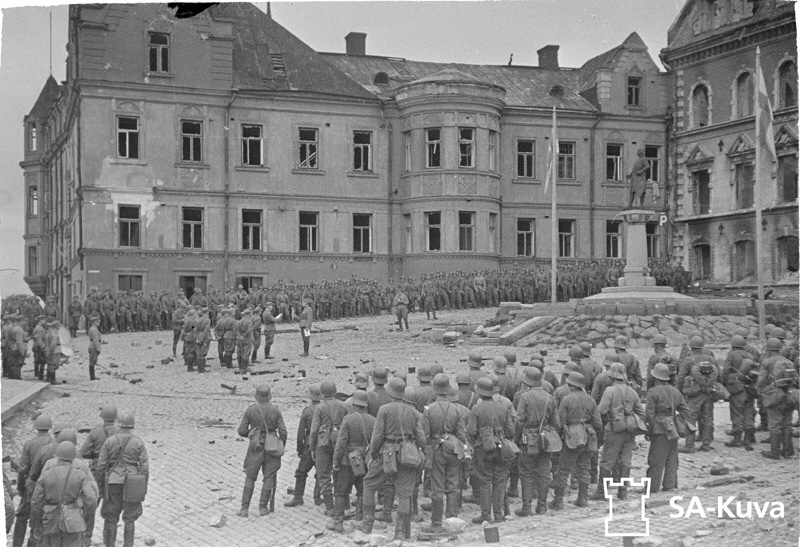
{"x": 775, "y": 447}
{"x": 513, "y": 485}
{"x": 247, "y": 495}
{"x": 541, "y": 500}
{"x": 499, "y": 501}
{"x": 583, "y": 496}
{"x": 369, "y": 519}
{"x": 737, "y": 440}
{"x": 788, "y": 445}
{"x": 527, "y": 497}
{"x": 128, "y": 533}
{"x": 622, "y": 491}
{"x": 688, "y": 447}
{"x": 600, "y": 493}
{"x": 749, "y": 439}
{"x": 388, "y": 504}
{"x": 337, "y": 524}
{"x": 437, "y": 511}
{"x": 263, "y": 502}
{"x": 20, "y": 529}
{"x": 317, "y": 495}
{"x": 486, "y": 505}
{"x": 451, "y": 508}
{"x": 558, "y": 499}
{"x": 359, "y": 508}
{"x": 400, "y": 526}
{"x": 109, "y": 533}
{"x": 414, "y": 515}
{"x": 328, "y": 499}
{"x": 91, "y": 374}
{"x": 299, "y": 489}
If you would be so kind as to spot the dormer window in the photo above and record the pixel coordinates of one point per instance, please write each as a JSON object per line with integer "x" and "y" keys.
{"x": 159, "y": 52}
{"x": 381, "y": 78}
{"x": 634, "y": 91}
{"x": 32, "y": 136}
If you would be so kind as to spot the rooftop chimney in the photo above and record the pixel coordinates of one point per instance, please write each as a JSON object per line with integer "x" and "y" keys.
{"x": 548, "y": 57}
{"x": 356, "y": 43}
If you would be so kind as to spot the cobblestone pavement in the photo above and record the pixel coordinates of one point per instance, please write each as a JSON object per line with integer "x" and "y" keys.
{"x": 189, "y": 424}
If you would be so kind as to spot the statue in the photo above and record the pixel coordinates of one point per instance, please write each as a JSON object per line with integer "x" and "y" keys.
{"x": 638, "y": 178}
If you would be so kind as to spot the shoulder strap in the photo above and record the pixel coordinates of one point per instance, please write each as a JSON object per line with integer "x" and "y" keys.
{"x": 363, "y": 428}
{"x": 122, "y": 448}
{"x": 64, "y": 487}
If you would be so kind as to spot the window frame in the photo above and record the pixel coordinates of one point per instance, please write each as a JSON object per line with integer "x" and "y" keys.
{"x": 125, "y": 225}
{"x": 362, "y": 230}
{"x": 32, "y": 260}
{"x": 407, "y": 145}
{"x": 528, "y": 237}
{"x": 433, "y": 147}
{"x": 695, "y": 122}
{"x": 565, "y": 157}
{"x": 653, "y": 162}
{"x": 130, "y": 278}
{"x": 161, "y": 50}
{"x": 749, "y": 98}
{"x": 303, "y": 146}
{"x": 362, "y": 147}
{"x": 466, "y": 148}
{"x": 653, "y": 240}
{"x": 567, "y": 238}
{"x": 741, "y": 187}
{"x": 128, "y": 137}
{"x": 408, "y": 224}
{"x": 781, "y": 182}
{"x": 613, "y": 239}
{"x": 525, "y": 156}
{"x": 253, "y": 229}
{"x": 195, "y": 226}
{"x": 466, "y": 232}
{"x": 193, "y": 147}
{"x": 782, "y": 79}
{"x": 618, "y": 161}
{"x": 430, "y": 226}
{"x": 492, "y": 149}
{"x": 32, "y": 140}
{"x": 32, "y": 207}
{"x": 246, "y": 144}
{"x": 312, "y": 236}
{"x": 637, "y": 89}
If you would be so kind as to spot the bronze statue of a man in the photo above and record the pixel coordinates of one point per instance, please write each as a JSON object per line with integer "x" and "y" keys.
{"x": 638, "y": 178}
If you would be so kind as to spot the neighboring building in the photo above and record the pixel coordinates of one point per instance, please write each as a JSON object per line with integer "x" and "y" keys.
{"x": 222, "y": 149}
{"x": 711, "y": 51}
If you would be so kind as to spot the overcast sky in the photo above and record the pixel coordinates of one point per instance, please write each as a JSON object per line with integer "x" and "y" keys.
{"x": 478, "y": 32}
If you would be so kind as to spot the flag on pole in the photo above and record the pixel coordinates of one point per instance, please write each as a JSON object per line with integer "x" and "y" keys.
{"x": 765, "y": 136}
{"x": 552, "y": 155}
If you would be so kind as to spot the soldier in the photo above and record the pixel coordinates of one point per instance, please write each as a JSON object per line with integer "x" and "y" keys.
{"x": 95, "y": 346}
{"x": 581, "y": 422}
{"x": 306, "y": 319}
{"x": 256, "y": 322}
{"x": 479, "y": 286}
{"x": 203, "y": 341}
{"x": 349, "y": 458}
{"x": 697, "y": 386}
{"x": 122, "y": 454}
{"x": 401, "y": 309}
{"x": 734, "y": 382}
{"x": 50, "y": 308}
{"x": 514, "y": 372}
{"x": 466, "y": 396}
{"x": 91, "y": 308}
{"x": 425, "y": 393}
{"x": 198, "y": 299}
{"x": 190, "y": 326}
{"x": 52, "y": 350}
{"x": 177, "y": 328}
{"x": 618, "y": 406}
{"x": 576, "y": 356}
{"x": 90, "y": 451}
{"x": 507, "y": 387}
{"x": 776, "y": 376}
{"x": 660, "y": 356}
{"x": 306, "y": 463}
{"x": 244, "y": 340}
{"x": 42, "y": 425}
{"x": 632, "y": 367}
{"x": 228, "y": 329}
{"x": 325, "y": 426}
{"x": 378, "y": 396}
{"x": 39, "y": 359}
{"x": 73, "y": 490}
{"x": 446, "y": 435}
{"x": 75, "y": 310}
{"x": 259, "y": 421}
{"x": 18, "y": 347}
{"x": 428, "y": 293}
{"x": 394, "y": 424}
{"x": 268, "y": 320}
{"x": 475, "y": 362}
{"x": 536, "y": 410}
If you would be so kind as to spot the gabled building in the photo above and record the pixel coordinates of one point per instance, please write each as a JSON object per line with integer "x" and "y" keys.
{"x": 711, "y": 53}
{"x": 221, "y": 149}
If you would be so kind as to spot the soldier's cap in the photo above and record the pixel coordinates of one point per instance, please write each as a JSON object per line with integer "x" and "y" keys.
{"x": 571, "y": 366}
{"x": 773, "y": 344}
{"x": 380, "y": 375}
{"x": 660, "y": 372}
{"x": 532, "y": 377}
{"x": 328, "y": 388}
{"x": 778, "y": 333}
{"x": 769, "y": 328}
{"x": 617, "y": 371}
{"x": 361, "y": 380}
{"x": 738, "y": 341}
{"x": 314, "y": 392}
{"x": 576, "y": 379}
{"x": 441, "y": 384}
{"x": 696, "y": 342}
{"x": 424, "y": 374}
{"x": 360, "y": 398}
{"x": 609, "y": 359}
{"x": 396, "y": 388}
{"x": 575, "y": 352}
{"x": 263, "y": 392}
{"x": 463, "y": 379}
{"x": 67, "y": 434}
{"x": 66, "y": 451}
{"x": 660, "y": 339}
{"x": 42, "y": 423}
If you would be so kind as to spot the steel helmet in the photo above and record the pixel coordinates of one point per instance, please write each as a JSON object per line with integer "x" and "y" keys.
{"x": 127, "y": 420}
{"x": 411, "y": 396}
{"x": 108, "y": 413}
{"x": 359, "y": 398}
{"x": 314, "y": 393}
{"x": 660, "y": 339}
{"x": 328, "y": 388}
{"x": 58, "y": 427}
{"x": 463, "y": 378}
{"x": 576, "y": 379}
{"x": 587, "y": 348}
{"x": 696, "y": 342}
{"x": 441, "y": 384}
{"x": 436, "y": 368}
{"x": 66, "y": 451}
{"x": 485, "y": 387}
{"x": 67, "y": 434}
{"x": 42, "y": 423}
{"x": 475, "y": 359}
{"x": 402, "y": 375}
{"x": 424, "y": 374}
{"x": 617, "y": 371}
{"x": 532, "y": 377}
{"x": 499, "y": 364}
{"x": 576, "y": 353}
{"x": 778, "y": 333}
{"x": 396, "y": 388}
{"x": 743, "y": 332}
{"x": 537, "y": 363}
{"x": 660, "y": 372}
{"x": 361, "y": 380}
{"x": 620, "y": 342}
{"x": 380, "y": 376}
{"x": 738, "y": 342}
{"x": 263, "y": 392}
{"x": 773, "y": 344}
{"x": 511, "y": 356}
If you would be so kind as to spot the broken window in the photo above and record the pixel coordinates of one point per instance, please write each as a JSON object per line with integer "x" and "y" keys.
{"x": 745, "y": 182}
{"x": 192, "y": 228}
{"x": 308, "y": 231}
{"x": 466, "y": 147}
{"x": 129, "y": 283}
{"x": 566, "y": 160}
{"x": 526, "y": 156}
{"x": 526, "y": 236}
{"x": 466, "y": 231}
{"x": 787, "y": 178}
{"x": 634, "y": 91}
{"x": 128, "y": 225}
{"x": 192, "y": 141}
{"x": 251, "y": 145}
{"x": 433, "y": 147}
{"x": 744, "y": 95}
{"x": 251, "y": 230}
{"x": 362, "y": 233}
{"x": 700, "y": 106}
{"x": 701, "y": 202}
{"x": 492, "y": 232}
{"x": 127, "y": 137}
{"x": 787, "y": 76}
{"x": 308, "y": 148}
{"x": 433, "y": 231}
{"x": 613, "y": 233}
{"x": 362, "y": 151}
{"x": 566, "y": 238}
{"x": 614, "y": 162}
{"x": 159, "y": 51}
{"x": 33, "y": 200}
{"x": 407, "y": 224}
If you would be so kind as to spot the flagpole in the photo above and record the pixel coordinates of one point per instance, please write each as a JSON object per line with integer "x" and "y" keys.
{"x": 554, "y": 232}
{"x": 757, "y": 202}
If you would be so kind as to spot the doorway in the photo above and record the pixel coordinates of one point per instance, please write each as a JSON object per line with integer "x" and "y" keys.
{"x": 188, "y": 283}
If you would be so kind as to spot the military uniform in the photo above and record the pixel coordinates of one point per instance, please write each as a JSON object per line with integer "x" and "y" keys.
{"x": 325, "y": 426}
{"x": 354, "y": 436}
{"x": 75, "y": 310}
{"x": 25, "y": 486}
{"x": 536, "y": 410}
{"x": 663, "y": 402}
{"x": 52, "y": 351}
{"x": 306, "y": 320}
{"x": 95, "y": 347}
{"x": 268, "y": 320}
{"x": 697, "y": 387}
{"x": 203, "y": 333}
{"x": 244, "y": 340}
{"x": 177, "y": 329}
{"x": 306, "y": 463}
{"x": 442, "y": 420}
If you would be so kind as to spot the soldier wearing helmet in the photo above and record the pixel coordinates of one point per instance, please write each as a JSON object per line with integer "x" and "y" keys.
{"x": 466, "y": 397}
{"x": 780, "y": 397}
{"x": 122, "y": 454}
{"x": 42, "y": 425}
{"x": 662, "y": 406}
{"x": 306, "y": 319}
{"x": 733, "y": 380}
{"x": 475, "y": 362}
{"x": 745, "y": 333}
{"x": 580, "y": 422}
{"x": 306, "y": 463}
{"x": 428, "y": 295}
{"x": 90, "y": 451}
{"x": 506, "y": 385}
{"x": 425, "y": 394}
{"x": 697, "y": 379}
{"x": 64, "y": 484}
{"x": 632, "y": 368}
{"x": 378, "y": 396}
{"x": 619, "y": 407}
{"x": 661, "y": 355}
{"x": 325, "y": 427}
{"x": 771, "y": 355}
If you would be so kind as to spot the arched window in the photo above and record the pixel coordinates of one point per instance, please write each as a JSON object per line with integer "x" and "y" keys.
{"x": 700, "y": 106}
{"x": 787, "y": 82}
{"x": 381, "y": 78}
{"x": 744, "y": 95}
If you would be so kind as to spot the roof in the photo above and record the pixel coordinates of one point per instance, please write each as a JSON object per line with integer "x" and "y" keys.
{"x": 607, "y": 60}
{"x": 47, "y": 97}
{"x": 524, "y": 86}
{"x": 266, "y": 56}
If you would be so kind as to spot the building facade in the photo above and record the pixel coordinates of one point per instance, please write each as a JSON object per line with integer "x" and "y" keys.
{"x": 221, "y": 149}
{"x": 711, "y": 53}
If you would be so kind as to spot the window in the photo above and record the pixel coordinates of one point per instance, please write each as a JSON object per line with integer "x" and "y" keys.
{"x": 614, "y": 162}
{"x": 702, "y": 261}
{"x": 33, "y": 200}
{"x": 566, "y": 160}
{"x": 251, "y": 230}
{"x": 407, "y": 224}
{"x": 433, "y": 231}
{"x": 613, "y": 247}
{"x": 159, "y": 52}
{"x": 250, "y": 282}
{"x": 191, "y": 140}
{"x": 566, "y": 238}
{"x": 33, "y": 261}
{"x": 192, "y": 228}
{"x": 525, "y": 158}
{"x": 381, "y": 78}
{"x": 744, "y": 259}
{"x": 701, "y": 201}
{"x": 492, "y": 232}
{"x": 362, "y": 151}
{"x": 744, "y": 95}
{"x": 308, "y": 148}
{"x": 128, "y": 225}
{"x": 652, "y": 235}
{"x": 787, "y": 178}
{"x": 651, "y": 154}
{"x": 407, "y": 143}
{"x": 362, "y": 233}
{"x": 466, "y": 231}
{"x": 787, "y": 84}
{"x": 127, "y": 137}
{"x": 308, "y": 231}
{"x": 493, "y": 151}
{"x": 700, "y": 117}
{"x": 526, "y": 237}
{"x": 129, "y": 283}
{"x": 466, "y": 147}
{"x": 433, "y": 147}
{"x": 745, "y": 182}
{"x": 634, "y": 91}
{"x": 32, "y": 136}
{"x": 252, "y": 151}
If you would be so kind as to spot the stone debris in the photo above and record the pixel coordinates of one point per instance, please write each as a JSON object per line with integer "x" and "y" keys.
{"x": 687, "y": 542}
{"x": 218, "y": 521}
{"x": 359, "y": 537}
{"x": 702, "y": 533}
{"x": 450, "y": 337}
{"x": 650, "y": 541}
{"x": 454, "y": 525}
{"x": 150, "y": 541}
{"x": 377, "y": 540}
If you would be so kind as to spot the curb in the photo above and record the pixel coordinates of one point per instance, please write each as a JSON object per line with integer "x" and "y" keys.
{"x": 22, "y": 398}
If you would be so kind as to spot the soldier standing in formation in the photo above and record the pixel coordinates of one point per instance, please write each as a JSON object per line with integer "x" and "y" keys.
{"x": 325, "y": 426}
{"x": 90, "y": 451}
{"x": 95, "y": 346}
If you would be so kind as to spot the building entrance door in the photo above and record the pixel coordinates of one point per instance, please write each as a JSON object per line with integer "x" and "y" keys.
{"x": 188, "y": 283}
